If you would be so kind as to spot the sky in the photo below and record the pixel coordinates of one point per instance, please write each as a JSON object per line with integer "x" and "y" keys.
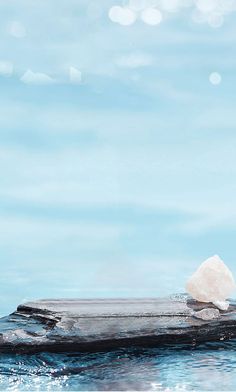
{"x": 117, "y": 145}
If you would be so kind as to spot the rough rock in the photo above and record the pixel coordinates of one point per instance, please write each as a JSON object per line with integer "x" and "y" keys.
{"x": 95, "y": 324}
{"x": 207, "y": 314}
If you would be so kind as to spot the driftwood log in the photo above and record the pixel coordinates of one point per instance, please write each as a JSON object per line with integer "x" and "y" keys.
{"x": 60, "y": 325}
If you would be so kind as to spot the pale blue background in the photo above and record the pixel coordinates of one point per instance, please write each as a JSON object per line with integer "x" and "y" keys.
{"x": 122, "y": 184}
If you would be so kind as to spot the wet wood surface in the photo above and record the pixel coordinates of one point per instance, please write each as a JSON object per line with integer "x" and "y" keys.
{"x": 60, "y": 325}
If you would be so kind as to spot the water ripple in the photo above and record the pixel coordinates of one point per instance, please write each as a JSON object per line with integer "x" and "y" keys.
{"x": 209, "y": 367}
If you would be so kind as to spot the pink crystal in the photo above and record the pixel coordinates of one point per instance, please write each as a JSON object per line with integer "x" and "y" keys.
{"x": 212, "y": 282}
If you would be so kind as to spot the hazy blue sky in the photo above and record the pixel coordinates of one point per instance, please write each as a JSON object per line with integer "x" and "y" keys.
{"x": 117, "y": 153}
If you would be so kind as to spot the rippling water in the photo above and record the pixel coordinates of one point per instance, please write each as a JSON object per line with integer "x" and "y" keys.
{"x": 208, "y": 367}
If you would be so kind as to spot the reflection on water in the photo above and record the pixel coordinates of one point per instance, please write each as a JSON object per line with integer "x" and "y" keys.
{"x": 208, "y": 367}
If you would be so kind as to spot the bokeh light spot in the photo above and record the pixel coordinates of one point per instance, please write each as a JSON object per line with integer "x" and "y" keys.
{"x": 215, "y": 78}
{"x": 206, "y": 5}
{"x": 151, "y": 16}
{"x": 122, "y": 15}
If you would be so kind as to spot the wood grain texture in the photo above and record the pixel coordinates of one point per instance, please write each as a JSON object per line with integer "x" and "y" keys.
{"x": 59, "y": 325}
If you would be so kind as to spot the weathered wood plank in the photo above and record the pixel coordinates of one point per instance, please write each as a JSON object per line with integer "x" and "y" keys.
{"x": 109, "y": 307}
{"x": 96, "y": 324}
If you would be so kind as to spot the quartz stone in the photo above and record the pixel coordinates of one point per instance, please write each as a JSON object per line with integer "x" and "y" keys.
{"x": 207, "y": 314}
{"x": 212, "y": 282}
{"x": 222, "y": 305}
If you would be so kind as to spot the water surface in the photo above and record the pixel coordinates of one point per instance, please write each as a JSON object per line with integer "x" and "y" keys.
{"x": 208, "y": 367}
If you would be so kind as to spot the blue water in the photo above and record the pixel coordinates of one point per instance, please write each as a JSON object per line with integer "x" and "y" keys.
{"x": 208, "y": 367}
